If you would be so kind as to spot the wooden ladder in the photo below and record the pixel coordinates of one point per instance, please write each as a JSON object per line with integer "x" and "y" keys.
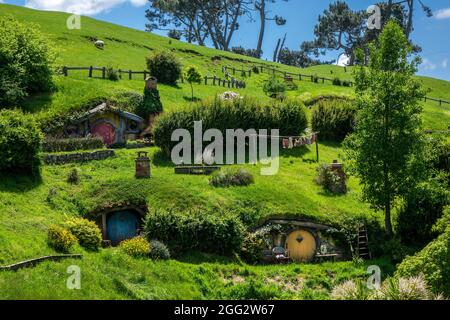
{"x": 363, "y": 243}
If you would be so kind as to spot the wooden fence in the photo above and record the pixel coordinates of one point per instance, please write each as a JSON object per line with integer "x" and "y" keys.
{"x": 441, "y": 102}
{"x": 285, "y": 74}
{"x": 233, "y": 83}
{"x": 91, "y": 70}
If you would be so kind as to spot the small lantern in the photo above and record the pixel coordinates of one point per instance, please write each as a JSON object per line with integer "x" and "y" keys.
{"x": 142, "y": 165}
{"x": 151, "y": 83}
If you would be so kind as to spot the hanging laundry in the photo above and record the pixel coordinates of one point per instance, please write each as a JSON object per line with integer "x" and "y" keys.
{"x": 291, "y": 143}
{"x": 285, "y": 143}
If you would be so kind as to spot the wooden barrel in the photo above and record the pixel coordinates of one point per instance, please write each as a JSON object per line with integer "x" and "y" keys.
{"x": 301, "y": 245}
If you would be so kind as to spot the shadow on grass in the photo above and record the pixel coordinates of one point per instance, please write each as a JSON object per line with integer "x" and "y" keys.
{"x": 19, "y": 183}
{"x": 160, "y": 159}
{"x": 190, "y": 99}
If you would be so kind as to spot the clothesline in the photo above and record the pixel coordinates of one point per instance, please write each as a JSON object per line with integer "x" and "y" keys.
{"x": 285, "y": 137}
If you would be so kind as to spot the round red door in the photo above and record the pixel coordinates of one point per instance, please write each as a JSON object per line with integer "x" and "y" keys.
{"x": 106, "y": 131}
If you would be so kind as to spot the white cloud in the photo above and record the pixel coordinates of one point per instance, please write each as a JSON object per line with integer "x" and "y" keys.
{"x": 442, "y": 14}
{"x": 445, "y": 63}
{"x": 428, "y": 65}
{"x": 88, "y": 7}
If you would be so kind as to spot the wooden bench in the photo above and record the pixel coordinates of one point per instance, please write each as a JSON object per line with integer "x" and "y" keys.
{"x": 197, "y": 170}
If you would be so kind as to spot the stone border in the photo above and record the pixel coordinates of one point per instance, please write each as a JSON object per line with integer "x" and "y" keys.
{"x": 56, "y": 159}
{"x": 34, "y": 262}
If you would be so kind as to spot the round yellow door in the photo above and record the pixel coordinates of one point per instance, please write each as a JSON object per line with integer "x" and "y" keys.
{"x": 301, "y": 245}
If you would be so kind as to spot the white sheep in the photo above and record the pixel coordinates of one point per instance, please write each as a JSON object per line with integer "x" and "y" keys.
{"x": 100, "y": 44}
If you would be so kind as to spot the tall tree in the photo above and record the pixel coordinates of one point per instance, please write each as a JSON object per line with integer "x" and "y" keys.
{"x": 339, "y": 28}
{"x": 261, "y": 9}
{"x": 386, "y": 148}
{"x": 199, "y": 19}
{"x": 410, "y": 10}
{"x": 221, "y": 19}
{"x": 184, "y": 15}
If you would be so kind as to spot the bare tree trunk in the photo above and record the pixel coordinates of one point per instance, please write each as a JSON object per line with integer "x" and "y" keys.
{"x": 275, "y": 54}
{"x": 409, "y": 27}
{"x": 281, "y": 47}
{"x": 262, "y": 29}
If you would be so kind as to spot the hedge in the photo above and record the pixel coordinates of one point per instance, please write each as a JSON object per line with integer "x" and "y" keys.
{"x": 20, "y": 143}
{"x": 334, "y": 119}
{"x": 72, "y": 144}
{"x": 289, "y": 117}
{"x": 212, "y": 232}
{"x": 433, "y": 262}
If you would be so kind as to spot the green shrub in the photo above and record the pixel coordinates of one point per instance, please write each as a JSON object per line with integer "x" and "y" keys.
{"x": 253, "y": 247}
{"x": 87, "y": 233}
{"x": 74, "y": 176}
{"x": 192, "y": 76}
{"x": 275, "y": 88}
{"x": 137, "y": 247}
{"x": 26, "y": 59}
{"x": 315, "y": 78}
{"x": 334, "y": 119}
{"x": 218, "y": 232}
{"x": 151, "y": 104}
{"x": 112, "y": 74}
{"x": 330, "y": 180}
{"x": 159, "y": 251}
{"x": 164, "y": 65}
{"x": 255, "y": 69}
{"x": 337, "y": 82}
{"x": 60, "y": 239}
{"x": 346, "y": 83}
{"x": 72, "y": 144}
{"x": 20, "y": 143}
{"x": 289, "y": 117}
{"x": 444, "y": 222}
{"x": 229, "y": 177}
{"x": 422, "y": 208}
{"x": 433, "y": 262}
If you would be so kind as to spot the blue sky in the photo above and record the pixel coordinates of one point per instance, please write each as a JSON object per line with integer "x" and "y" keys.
{"x": 432, "y": 34}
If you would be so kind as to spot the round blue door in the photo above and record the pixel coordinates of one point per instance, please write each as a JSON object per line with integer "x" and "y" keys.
{"x": 122, "y": 225}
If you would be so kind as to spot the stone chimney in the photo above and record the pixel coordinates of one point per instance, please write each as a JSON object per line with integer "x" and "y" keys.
{"x": 142, "y": 165}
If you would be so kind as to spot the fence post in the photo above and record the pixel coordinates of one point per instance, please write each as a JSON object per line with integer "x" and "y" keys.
{"x": 90, "y": 71}
{"x": 104, "y": 72}
{"x": 129, "y": 74}
{"x": 440, "y": 102}
{"x": 65, "y": 71}
{"x": 214, "y": 80}
{"x": 120, "y": 73}
{"x": 145, "y": 74}
{"x": 206, "y": 80}
{"x": 323, "y": 80}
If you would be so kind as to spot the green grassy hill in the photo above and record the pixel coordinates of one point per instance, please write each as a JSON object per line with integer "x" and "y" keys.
{"x": 27, "y": 208}
{"x": 127, "y": 48}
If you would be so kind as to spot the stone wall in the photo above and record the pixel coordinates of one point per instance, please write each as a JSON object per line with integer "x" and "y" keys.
{"x": 78, "y": 157}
